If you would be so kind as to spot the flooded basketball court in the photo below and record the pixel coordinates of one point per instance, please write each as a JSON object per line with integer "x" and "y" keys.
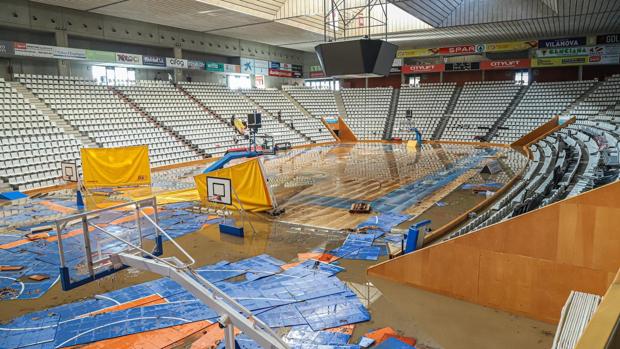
{"x": 316, "y": 186}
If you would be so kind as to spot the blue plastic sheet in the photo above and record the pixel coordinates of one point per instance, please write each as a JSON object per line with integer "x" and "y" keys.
{"x": 393, "y": 343}
{"x": 307, "y": 294}
{"x": 333, "y": 311}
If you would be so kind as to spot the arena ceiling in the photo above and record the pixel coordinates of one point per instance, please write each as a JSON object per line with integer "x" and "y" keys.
{"x": 298, "y": 24}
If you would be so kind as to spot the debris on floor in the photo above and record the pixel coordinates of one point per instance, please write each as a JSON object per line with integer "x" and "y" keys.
{"x": 301, "y": 299}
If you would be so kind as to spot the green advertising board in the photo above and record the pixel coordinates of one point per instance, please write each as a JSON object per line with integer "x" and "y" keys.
{"x": 215, "y": 67}
{"x": 100, "y": 56}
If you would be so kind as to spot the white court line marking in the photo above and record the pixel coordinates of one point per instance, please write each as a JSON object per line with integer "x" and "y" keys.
{"x": 106, "y": 298}
{"x": 21, "y": 283}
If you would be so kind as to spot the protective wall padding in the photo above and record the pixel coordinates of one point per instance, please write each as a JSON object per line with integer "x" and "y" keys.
{"x": 304, "y": 295}
{"x": 569, "y": 245}
{"x": 115, "y": 167}
{"x": 248, "y": 182}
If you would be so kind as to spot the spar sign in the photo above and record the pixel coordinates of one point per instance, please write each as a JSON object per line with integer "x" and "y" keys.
{"x": 460, "y": 50}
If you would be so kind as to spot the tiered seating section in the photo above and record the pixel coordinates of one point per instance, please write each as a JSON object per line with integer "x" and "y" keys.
{"x": 479, "y": 106}
{"x": 541, "y": 102}
{"x": 275, "y": 103}
{"x": 181, "y": 115}
{"x": 367, "y": 110}
{"x": 319, "y": 103}
{"x": 602, "y": 100}
{"x": 32, "y": 147}
{"x": 96, "y": 111}
{"x": 574, "y": 160}
{"x": 226, "y": 103}
{"x": 427, "y": 102}
{"x": 174, "y": 119}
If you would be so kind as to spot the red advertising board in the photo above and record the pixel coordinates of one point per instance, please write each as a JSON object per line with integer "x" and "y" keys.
{"x": 427, "y": 68}
{"x": 459, "y": 50}
{"x": 281, "y": 73}
{"x": 505, "y": 64}
{"x": 316, "y": 74}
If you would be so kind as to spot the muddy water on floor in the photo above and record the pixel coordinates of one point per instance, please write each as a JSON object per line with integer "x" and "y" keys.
{"x": 455, "y": 324}
{"x": 400, "y": 307}
{"x": 283, "y": 242}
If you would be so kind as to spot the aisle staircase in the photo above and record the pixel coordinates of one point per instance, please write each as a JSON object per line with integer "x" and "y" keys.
{"x": 389, "y": 122}
{"x": 449, "y": 110}
{"x": 202, "y": 106}
{"x": 135, "y": 106}
{"x": 342, "y": 111}
{"x": 506, "y": 114}
{"x": 31, "y": 98}
{"x": 581, "y": 98}
{"x": 297, "y": 104}
{"x": 265, "y": 112}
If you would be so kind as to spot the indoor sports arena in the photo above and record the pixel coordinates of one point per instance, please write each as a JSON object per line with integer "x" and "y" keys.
{"x": 309, "y": 174}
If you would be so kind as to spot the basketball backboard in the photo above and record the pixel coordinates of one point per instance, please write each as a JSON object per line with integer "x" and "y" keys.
{"x": 69, "y": 171}
{"x": 219, "y": 190}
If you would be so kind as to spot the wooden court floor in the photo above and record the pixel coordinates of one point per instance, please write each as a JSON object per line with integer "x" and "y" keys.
{"x": 316, "y": 186}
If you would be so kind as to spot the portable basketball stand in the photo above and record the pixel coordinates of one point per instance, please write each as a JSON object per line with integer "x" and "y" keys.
{"x": 231, "y": 314}
{"x": 411, "y": 128}
{"x": 70, "y": 174}
{"x": 220, "y": 192}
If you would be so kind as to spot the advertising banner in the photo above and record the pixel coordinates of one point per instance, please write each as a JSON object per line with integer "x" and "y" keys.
{"x": 33, "y": 50}
{"x": 316, "y": 68}
{"x": 247, "y": 65}
{"x": 260, "y": 81}
{"x": 505, "y": 64}
{"x": 128, "y": 58}
{"x": 317, "y": 74}
{"x": 6, "y": 47}
{"x": 460, "y": 50}
{"x": 261, "y": 67}
{"x": 578, "y": 51}
{"x": 232, "y": 68}
{"x": 197, "y": 65}
{"x": 280, "y": 73}
{"x": 510, "y": 46}
{"x": 286, "y": 66}
{"x": 564, "y": 42}
{"x": 100, "y": 56}
{"x": 68, "y": 53}
{"x": 176, "y": 63}
{"x": 606, "y": 59}
{"x": 416, "y": 52}
{"x": 215, "y": 67}
{"x": 154, "y": 61}
{"x": 298, "y": 71}
{"x": 612, "y": 39}
{"x": 462, "y": 66}
{"x": 274, "y": 65}
{"x": 572, "y": 61}
{"x": 427, "y": 68}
